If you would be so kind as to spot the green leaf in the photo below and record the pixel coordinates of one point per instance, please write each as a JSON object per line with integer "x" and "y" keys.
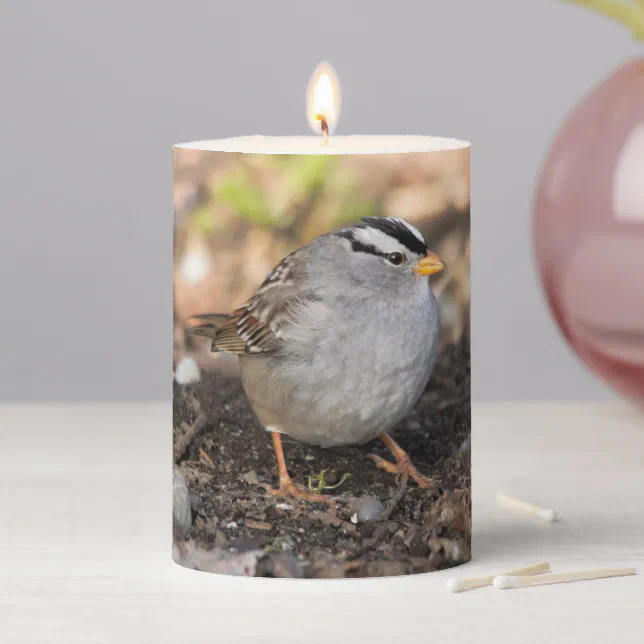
{"x": 203, "y": 220}
{"x": 238, "y": 191}
{"x": 310, "y": 172}
{"x": 353, "y": 210}
{"x": 317, "y": 483}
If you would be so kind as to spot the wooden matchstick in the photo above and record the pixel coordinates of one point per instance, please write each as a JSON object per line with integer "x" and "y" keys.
{"x": 510, "y": 503}
{"x": 507, "y": 581}
{"x": 459, "y": 585}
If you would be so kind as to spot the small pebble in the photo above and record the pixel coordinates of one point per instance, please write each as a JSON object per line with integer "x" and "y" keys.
{"x": 195, "y": 265}
{"x": 365, "y": 509}
{"x": 187, "y": 371}
{"x": 284, "y": 506}
{"x": 232, "y": 526}
{"x": 251, "y": 477}
{"x": 181, "y": 510}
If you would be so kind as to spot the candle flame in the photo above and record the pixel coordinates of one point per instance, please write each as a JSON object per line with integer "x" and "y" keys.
{"x": 323, "y": 98}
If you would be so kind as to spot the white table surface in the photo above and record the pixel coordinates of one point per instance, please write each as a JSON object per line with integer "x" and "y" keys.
{"x": 85, "y": 523}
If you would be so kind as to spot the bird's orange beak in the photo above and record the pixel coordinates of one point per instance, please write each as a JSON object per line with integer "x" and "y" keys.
{"x": 429, "y": 265}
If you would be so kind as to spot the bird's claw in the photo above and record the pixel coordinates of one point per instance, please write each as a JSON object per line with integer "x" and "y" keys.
{"x": 288, "y": 488}
{"x": 403, "y": 469}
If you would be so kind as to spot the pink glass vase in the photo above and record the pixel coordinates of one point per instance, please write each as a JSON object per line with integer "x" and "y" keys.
{"x": 589, "y": 230}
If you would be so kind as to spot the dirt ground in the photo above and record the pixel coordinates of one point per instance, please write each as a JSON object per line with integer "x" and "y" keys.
{"x": 230, "y": 524}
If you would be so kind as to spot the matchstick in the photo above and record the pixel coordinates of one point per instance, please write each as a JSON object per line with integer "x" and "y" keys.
{"x": 504, "y": 581}
{"x": 459, "y": 585}
{"x": 510, "y": 503}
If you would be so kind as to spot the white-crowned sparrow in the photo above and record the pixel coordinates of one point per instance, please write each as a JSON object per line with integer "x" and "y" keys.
{"x": 339, "y": 341}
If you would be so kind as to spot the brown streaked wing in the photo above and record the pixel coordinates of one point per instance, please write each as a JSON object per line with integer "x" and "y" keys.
{"x": 241, "y": 333}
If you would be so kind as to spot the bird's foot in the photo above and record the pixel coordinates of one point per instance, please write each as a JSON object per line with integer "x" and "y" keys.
{"x": 403, "y": 469}
{"x": 288, "y": 488}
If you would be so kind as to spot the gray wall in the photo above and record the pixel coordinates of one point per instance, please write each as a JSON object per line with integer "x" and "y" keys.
{"x": 95, "y": 93}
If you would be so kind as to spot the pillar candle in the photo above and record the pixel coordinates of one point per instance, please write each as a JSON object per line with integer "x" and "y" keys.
{"x": 321, "y": 371}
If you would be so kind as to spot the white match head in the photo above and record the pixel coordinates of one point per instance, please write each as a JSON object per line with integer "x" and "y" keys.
{"x": 548, "y": 515}
{"x": 505, "y": 581}
{"x": 455, "y": 585}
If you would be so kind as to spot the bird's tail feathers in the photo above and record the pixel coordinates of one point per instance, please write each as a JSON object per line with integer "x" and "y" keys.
{"x": 206, "y": 326}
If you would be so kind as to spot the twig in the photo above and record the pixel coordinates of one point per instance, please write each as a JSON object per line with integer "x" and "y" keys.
{"x": 182, "y": 443}
{"x": 317, "y": 482}
{"x": 205, "y": 457}
{"x": 393, "y": 502}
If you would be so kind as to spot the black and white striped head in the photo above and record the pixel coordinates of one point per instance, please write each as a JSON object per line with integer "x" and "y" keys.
{"x": 387, "y": 251}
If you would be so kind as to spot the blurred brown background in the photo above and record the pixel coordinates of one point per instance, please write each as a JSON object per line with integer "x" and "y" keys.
{"x": 237, "y": 215}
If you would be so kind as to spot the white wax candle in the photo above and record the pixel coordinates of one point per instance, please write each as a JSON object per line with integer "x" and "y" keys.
{"x": 355, "y": 144}
{"x": 243, "y": 208}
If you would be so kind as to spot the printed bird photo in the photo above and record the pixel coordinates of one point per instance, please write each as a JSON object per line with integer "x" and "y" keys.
{"x": 321, "y": 380}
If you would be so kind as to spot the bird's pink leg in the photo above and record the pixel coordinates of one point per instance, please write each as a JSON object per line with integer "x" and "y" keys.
{"x": 403, "y": 467}
{"x": 287, "y": 487}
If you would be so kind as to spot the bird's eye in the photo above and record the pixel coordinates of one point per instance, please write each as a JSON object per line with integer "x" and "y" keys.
{"x": 395, "y": 258}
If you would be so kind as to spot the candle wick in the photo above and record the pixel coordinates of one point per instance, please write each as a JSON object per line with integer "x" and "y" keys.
{"x": 324, "y": 127}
